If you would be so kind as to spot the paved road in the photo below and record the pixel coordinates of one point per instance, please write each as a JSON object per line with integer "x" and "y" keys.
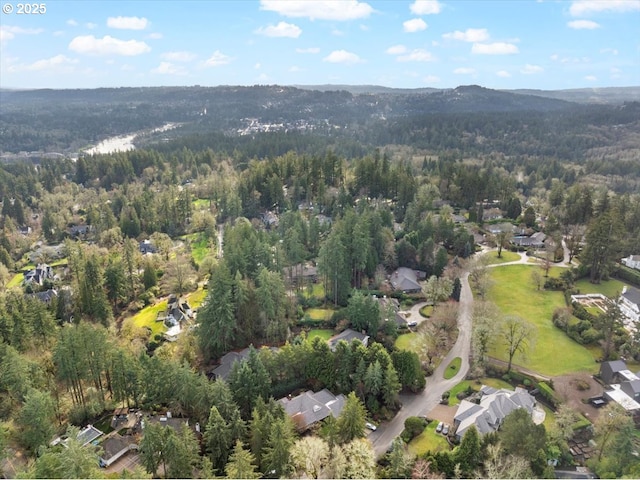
{"x": 423, "y": 402}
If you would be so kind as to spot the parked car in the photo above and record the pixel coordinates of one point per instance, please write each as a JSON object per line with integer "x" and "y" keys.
{"x": 439, "y": 427}
{"x": 445, "y": 430}
{"x": 370, "y": 426}
{"x": 412, "y": 323}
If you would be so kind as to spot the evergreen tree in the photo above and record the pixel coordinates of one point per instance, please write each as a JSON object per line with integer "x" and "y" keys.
{"x": 241, "y": 463}
{"x": 352, "y": 419}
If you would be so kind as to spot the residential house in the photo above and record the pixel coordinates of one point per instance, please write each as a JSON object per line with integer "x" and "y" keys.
{"x": 406, "y": 280}
{"x": 39, "y": 274}
{"x": 501, "y": 227}
{"x": 632, "y": 261}
{"x": 613, "y": 371}
{"x": 147, "y": 248}
{"x": 348, "y": 336}
{"x": 45, "y": 297}
{"x": 301, "y": 274}
{"x": 223, "y": 370}
{"x": 494, "y": 406}
{"x": 269, "y": 219}
{"x": 491, "y": 214}
{"x": 624, "y": 385}
{"x": 534, "y": 241}
{"x": 116, "y": 446}
{"x": 308, "y": 408}
{"x": 88, "y": 435}
{"x": 79, "y": 231}
{"x": 629, "y": 303}
{"x": 390, "y": 310}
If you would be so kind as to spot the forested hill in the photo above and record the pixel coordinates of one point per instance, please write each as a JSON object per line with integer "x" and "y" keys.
{"x": 65, "y": 120}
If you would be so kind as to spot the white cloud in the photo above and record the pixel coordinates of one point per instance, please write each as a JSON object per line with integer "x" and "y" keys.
{"x": 20, "y": 31}
{"x": 497, "y": 48}
{"x": 583, "y": 25}
{"x": 295, "y": 69}
{"x": 282, "y": 29}
{"x": 155, "y": 36}
{"x": 319, "y": 9}
{"x": 591, "y": 78}
{"x": 469, "y": 35}
{"x": 431, "y": 79}
{"x": 414, "y": 25}
{"x": 217, "y": 59}
{"x": 580, "y": 8}
{"x": 396, "y": 50}
{"x": 168, "y": 68}
{"x": 91, "y": 25}
{"x": 72, "y": 23}
{"x": 425, "y": 7}
{"x": 58, "y": 33}
{"x": 417, "y": 55}
{"x": 90, "y": 45}
{"x": 464, "y": 71}
{"x": 609, "y": 51}
{"x": 179, "y": 56}
{"x": 531, "y": 69}
{"x": 57, "y": 64}
{"x": 127, "y": 23}
{"x": 342, "y": 56}
{"x": 337, "y": 33}
{"x": 308, "y": 50}
{"x": 5, "y": 36}
{"x": 257, "y": 66}
{"x": 503, "y": 74}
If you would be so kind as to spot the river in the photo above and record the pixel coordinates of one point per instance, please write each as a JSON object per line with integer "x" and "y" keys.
{"x": 123, "y": 143}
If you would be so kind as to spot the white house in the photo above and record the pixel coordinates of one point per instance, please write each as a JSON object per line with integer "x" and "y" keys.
{"x": 630, "y": 305}
{"x": 632, "y": 261}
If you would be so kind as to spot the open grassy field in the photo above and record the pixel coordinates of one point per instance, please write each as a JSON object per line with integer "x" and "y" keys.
{"x": 317, "y": 291}
{"x": 16, "y": 281}
{"x": 609, "y": 288}
{"x": 506, "y": 256}
{"x": 405, "y": 341}
{"x": 323, "y": 333}
{"x": 553, "y": 352}
{"x": 147, "y": 318}
{"x": 200, "y": 247}
{"x": 428, "y": 440}
{"x": 319, "y": 313}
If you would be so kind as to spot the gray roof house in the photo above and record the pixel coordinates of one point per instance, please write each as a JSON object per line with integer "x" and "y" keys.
{"x": 494, "y": 407}
{"x": 39, "y": 274}
{"x": 406, "y": 280}
{"x": 116, "y": 446}
{"x": 348, "y": 336}
{"x": 630, "y": 305}
{"x": 610, "y": 371}
{"x": 535, "y": 241}
{"x": 226, "y": 363}
{"x": 309, "y": 408}
{"x": 632, "y": 389}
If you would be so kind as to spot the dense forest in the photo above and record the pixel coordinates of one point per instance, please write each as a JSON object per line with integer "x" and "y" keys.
{"x": 383, "y": 181}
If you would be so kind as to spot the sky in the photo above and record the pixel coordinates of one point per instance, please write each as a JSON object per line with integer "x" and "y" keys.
{"x": 506, "y": 44}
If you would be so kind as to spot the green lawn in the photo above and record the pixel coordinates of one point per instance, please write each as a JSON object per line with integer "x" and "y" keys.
{"x": 426, "y": 311}
{"x": 405, "y": 341}
{"x": 490, "y": 382}
{"x": 323, "y": 333}
{"x": 200, "y": 204}
{"x": 317, "y": 290}
{"x": 506, "y": 256}
{"x": 553, "y": 352}
{"x": 453, "y": 368}
{"x": 428, "y": 440}
{"x": 196, "y": 298}
{"x": 200, "y": 247}
{"x": 147, "y": 318}
{"x": 609, "y": 288}
{"x": 319, "y": 313}
{"x": 16, "y": 281}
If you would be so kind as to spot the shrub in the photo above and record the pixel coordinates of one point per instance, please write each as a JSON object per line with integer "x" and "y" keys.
{"x": 414, "y": 426}
{"x": 547, "y": 392}
{"x": 553, "y": 283}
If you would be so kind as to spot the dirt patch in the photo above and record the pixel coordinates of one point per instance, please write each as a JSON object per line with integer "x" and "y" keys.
{"x": 443, "y": 413}
{"x": 577, "y": 388}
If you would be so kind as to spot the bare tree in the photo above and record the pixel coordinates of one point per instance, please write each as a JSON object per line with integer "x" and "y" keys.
{"x": 479, "y": 274}
{"x": 518, "y": 336}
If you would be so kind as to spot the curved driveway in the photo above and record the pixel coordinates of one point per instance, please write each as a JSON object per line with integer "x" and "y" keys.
{"x": 423, "y": 402}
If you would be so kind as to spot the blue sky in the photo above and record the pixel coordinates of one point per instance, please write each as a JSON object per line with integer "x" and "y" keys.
{"x": 406, "y": 44}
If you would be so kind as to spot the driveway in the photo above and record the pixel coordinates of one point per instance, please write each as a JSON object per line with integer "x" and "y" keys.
{"x": 413, "y": 314}
{"x": 425, "y": 401}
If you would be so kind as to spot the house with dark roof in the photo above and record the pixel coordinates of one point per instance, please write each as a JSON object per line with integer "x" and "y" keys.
{"x": 534, "y": 241}
{"x": 45, "y": 297}
{"x": 223, "y": 370}
{"x": 494, "y": 406}
{"x": 610, "y": 372}
{"x": 116, "y": 446}
{"x": 632, "y": 261}
{"x": 309, "y": 408}
{"x": 406, "y": 280}
{"x": 301, "y": 274}
{"x": 348, "y": 336}
{"x": 79, "y": 231}
{"x": 632, "y": 389}
{"x": 147, "y": 248}
{"x": 39, "y": 274}
{"x": 390, "y": 310}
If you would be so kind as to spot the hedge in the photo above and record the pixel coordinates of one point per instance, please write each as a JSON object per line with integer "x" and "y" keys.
{"x": 547, "y": 392}
{"x": 627, "y": 274}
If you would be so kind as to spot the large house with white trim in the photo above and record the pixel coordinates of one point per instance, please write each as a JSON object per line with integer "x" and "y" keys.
{"x": 632, "y": 261}
{"x": 630, "y": 305}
